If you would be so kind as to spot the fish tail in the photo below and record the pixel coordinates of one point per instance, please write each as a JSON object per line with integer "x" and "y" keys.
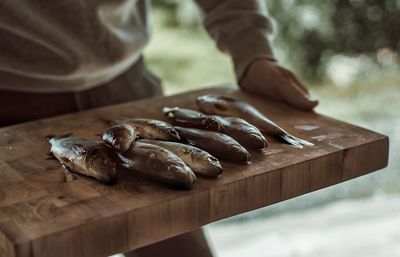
{"x": 304, "y": 142}
{"x": 294, "y": 141}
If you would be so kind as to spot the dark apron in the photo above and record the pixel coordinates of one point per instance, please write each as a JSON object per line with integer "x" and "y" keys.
{"x": 136, "y": 83}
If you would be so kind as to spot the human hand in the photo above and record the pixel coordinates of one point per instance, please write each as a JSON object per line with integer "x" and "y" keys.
{"x": 268, "y": 78}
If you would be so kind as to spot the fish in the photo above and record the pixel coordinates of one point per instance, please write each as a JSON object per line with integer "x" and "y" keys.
{"x": 229, "y": 106}
{"x": 237, "y": 128}
{"x": 217, "y": 144}
{"x": 201, "y": 162}
{"x": 86, "y": 157}
{"x": 190, "y": 118}
{"x": 245, "y": 133}
{"x": 159, "y": 164}
{"x": 119, "y": 137}
{"x": 149, "y": 128}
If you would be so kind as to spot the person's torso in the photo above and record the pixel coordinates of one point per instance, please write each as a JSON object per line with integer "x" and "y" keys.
{"x": 69, "y": 45}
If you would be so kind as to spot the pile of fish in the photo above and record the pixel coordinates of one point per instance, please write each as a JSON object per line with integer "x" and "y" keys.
{"x": 173, "y": 154}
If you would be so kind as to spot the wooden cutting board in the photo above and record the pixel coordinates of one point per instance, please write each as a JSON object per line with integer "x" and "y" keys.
{"x": 41, "y": 215}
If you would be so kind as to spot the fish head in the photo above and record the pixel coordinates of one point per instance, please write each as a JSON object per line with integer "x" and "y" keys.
{"x": 176, "y": 113}
{"x": 214, "y": 104}
{"x": 183, "y": 173}
{"x": 257, "y": 141}
{"x": 119, "y": 137}
{"x": 174, "y": 133}
{"x": 212, "y": 123}
{"x": 255, "y": 138}
{"x": 204, "y": 163}
{"x": 215, "y": 168}
{"x": 163, "y": 131}
{"x": 170, "y": 110}
{"x": 191, "y": 118}
{"x": 101, "y": 161}
{"x": 240, "y": 153}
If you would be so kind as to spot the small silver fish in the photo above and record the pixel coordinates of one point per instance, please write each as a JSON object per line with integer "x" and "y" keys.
{"x": 120, "y": 137}
{"x": 229, "y": 106}
{"x": 157, "y": 163}
{"x": 246, "y": 134}
{"x": 198, "y": 160}
{"x": 219, "y": 145}
{"x": 237, "y": 128}
{"x": 150, "y": 129}
{"x": 85, "y": 157}
{"x": 193, "y": 119}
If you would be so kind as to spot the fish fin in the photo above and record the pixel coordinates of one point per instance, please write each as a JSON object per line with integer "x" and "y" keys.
{"x": 287, "y": 139}
{"x": 304, "y": 142}
{"x": 49, "y": 137}
{"x": 68, "y": 174}
{"x": 294, "y": 141}
{"x": 167, "y": 110}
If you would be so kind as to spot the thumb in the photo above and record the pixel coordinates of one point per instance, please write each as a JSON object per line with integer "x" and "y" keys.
{"x": 298, "y": 98}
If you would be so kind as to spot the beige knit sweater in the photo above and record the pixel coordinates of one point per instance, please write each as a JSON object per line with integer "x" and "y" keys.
{"x": 73, "y": 45}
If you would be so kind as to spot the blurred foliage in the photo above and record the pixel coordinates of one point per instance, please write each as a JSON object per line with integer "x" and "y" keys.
{"x": 185, "y": 58}
{"x": 318, "y": 30}
{"x": 311, "y": 32}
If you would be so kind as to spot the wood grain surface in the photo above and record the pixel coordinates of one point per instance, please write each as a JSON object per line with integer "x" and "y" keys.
{"x": 41, "y": 215}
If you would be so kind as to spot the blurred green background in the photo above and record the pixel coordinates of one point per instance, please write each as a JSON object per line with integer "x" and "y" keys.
{"x": 347, "y": 52}
{"x": 327, "y": 42}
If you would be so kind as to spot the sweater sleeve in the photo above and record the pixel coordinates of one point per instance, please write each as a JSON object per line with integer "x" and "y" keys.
{"x": 241, "y": 28}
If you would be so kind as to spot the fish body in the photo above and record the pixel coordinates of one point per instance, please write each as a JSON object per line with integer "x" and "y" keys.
{"x": 219, "y": 145}
{"x": 198, "y": 160}
{"x": 119, "y": 137}
{"x": 85, "y": 157}
{"x": 150, "y": 129}
{"x": 229, "y": 106}
{"x": 237, "y": 128}
{"x": 159, "y": 164}
{"x": 193, "y": 119}
{"x": 245, "y": 133}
